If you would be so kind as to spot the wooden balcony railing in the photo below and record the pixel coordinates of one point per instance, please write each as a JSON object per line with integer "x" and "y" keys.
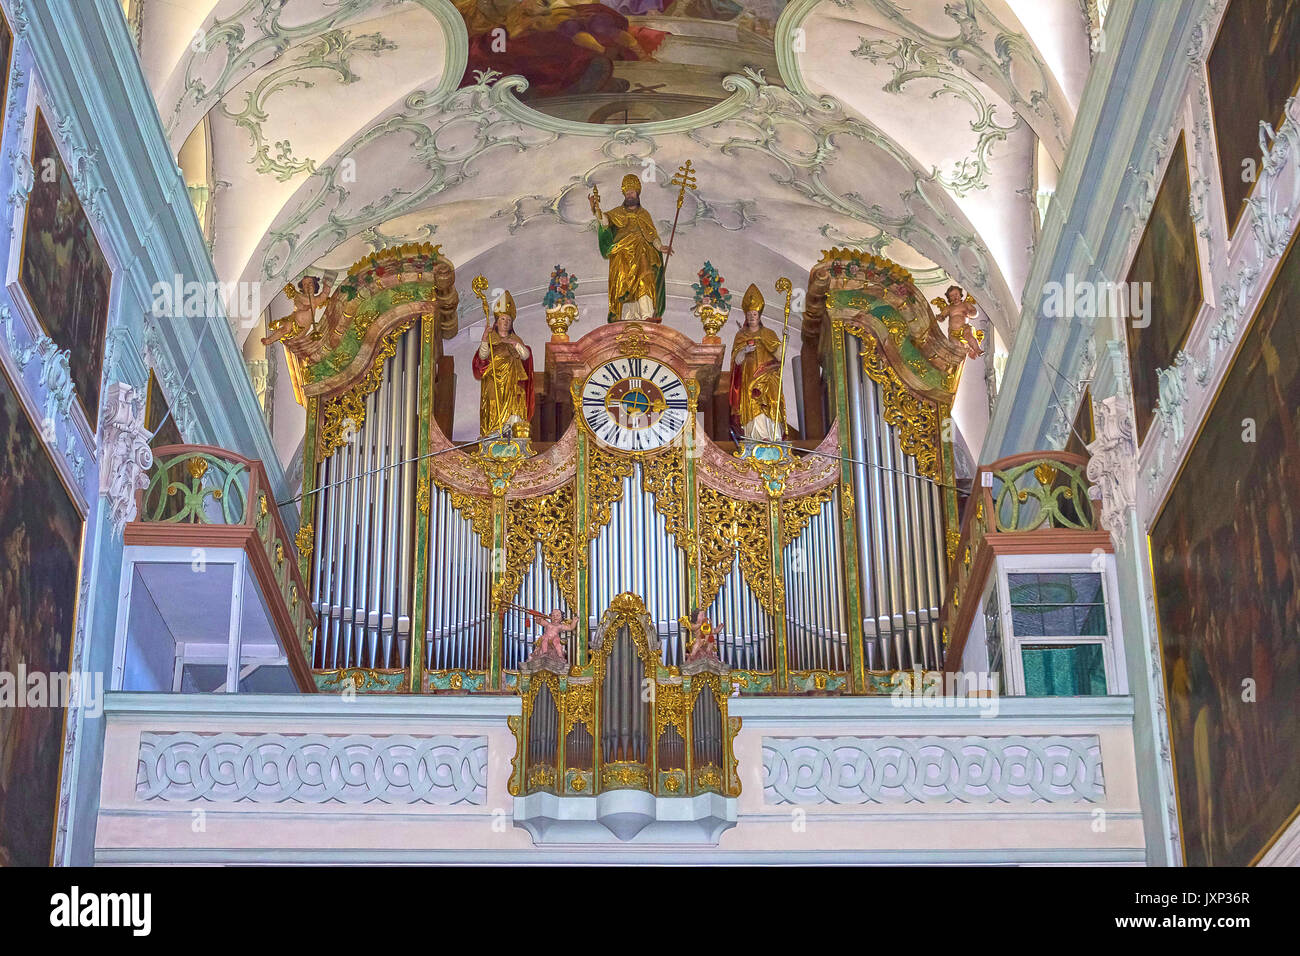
{"x": 201, "y": 496}
{"x": 1032, "y": 503}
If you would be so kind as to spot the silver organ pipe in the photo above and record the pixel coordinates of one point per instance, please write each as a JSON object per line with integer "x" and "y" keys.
{"x": 544, "y": 730}
{"x": 520, "y": 632}
{"x": 748, "y": 640}
{"x": 816, "y": 637}
{"x": 624, "y": 716}
{"x": 869, "y": 522}
{"x": 406, "y": 491}
{"x": 901, "y": 537}
{"x": 319, "y": 597}
{"x": 459, "y": 620}
{"x": 365, "y": 521}
{"x": 635, "y": 553}
{"x": 374, "y": 513}
{"x": 365, "y": 527}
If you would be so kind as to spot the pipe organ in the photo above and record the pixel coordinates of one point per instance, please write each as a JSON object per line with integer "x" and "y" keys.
{"x": 683, "y": 571}
{"x": 365, "y": 526}
{"x": 635, "y": 553}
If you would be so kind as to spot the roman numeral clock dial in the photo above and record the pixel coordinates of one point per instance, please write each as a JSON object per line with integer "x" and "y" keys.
{"x": 634, "y": 404}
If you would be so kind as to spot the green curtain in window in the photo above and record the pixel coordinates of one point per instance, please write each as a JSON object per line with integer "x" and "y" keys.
{"x": 1064, "y": 670}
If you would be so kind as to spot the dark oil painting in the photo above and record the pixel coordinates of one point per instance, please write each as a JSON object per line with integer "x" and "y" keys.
{"x": 1254, "y": 66}
{"x": 1227, "y": 579}
{"x": 6, "y": 58}
{"x": 40, "y": 552}
{"x": 1167, "y": 258}
{"x": 63, "y": 270}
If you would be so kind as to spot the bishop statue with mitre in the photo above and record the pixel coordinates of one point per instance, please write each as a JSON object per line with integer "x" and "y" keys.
{"x": 757, "y": 405}
{"x": 504, "y": 364}
{"x": 629, "y": 240}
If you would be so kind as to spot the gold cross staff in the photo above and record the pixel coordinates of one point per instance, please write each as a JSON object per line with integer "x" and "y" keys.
{"x": 685, "y": 178}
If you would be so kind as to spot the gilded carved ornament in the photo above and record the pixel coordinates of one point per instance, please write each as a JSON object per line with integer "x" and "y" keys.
{"x": 345, "y": 415}
{"x": 797, "y": 512}
{"x": 916, "y": 417}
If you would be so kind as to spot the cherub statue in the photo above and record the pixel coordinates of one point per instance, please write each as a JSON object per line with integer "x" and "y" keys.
{"x": 308, "y": 298}
{"x": 959, "y": 309}
{"x": 704, "y": 637}
{"x": 552, "y": 625}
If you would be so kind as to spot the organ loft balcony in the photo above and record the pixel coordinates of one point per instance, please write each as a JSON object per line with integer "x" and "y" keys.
{"x": 630, "y": 633}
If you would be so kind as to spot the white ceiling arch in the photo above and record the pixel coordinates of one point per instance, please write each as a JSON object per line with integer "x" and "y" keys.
{"x": 341, "y": 126}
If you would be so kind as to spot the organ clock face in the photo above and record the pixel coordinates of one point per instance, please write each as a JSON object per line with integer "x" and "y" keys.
{"x": 634, "y": 404}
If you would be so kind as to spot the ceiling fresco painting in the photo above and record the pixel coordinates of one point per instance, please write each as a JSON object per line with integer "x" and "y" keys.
{"x": 623, "y": 61}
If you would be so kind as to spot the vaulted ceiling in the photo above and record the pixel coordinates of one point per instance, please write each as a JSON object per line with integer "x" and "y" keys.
{"x": 331, "y": 128}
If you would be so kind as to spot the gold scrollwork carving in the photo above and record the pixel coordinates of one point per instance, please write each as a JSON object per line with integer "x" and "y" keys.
{"x": 304, "y": 539}
{"x": 604, "y": 486}
{"x": 626, "y": 610}
{"x": 580, "y": 706}
{"x": 478, "y": 512}
{"x": 729, "y": 528}
{"x": 915, "y": 417}
{"x": 664, "y": 477}
{"x": 670, "y": 708}
{"x": 541, "y": 776}
{"x": 953, "y": 537}
{"x": 633, "y": 342}
{"x": 345, "y": 414}
{"x": 514, "y": 721}
{"x": 550, "y": 519}
{"x": 422, "y": 492}
{"x": 625, "y": 775}
{"x": 708, "y": 778}
{"x": 797, "y": 512}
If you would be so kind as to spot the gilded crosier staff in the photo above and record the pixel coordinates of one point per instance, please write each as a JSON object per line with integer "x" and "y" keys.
{"x": 757, "y": 405}
{"x": 504, "y": 364}
{"x": 629, "y": 240}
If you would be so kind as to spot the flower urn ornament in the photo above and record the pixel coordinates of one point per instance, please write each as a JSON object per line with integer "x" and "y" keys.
{"x": 712, "y": 303}
{"x": 560, "y": 303}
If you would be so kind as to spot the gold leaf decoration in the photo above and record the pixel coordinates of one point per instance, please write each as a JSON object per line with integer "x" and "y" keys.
{"x": 915, "y": 417}
{"x": 550, "y": 519}
{"x": 731, "y": 527}
{"x": 664, "y": 477}
{"x": 797, "y": 512}
{"x": 604, "y": 486}
{"x": 345, "y": 415}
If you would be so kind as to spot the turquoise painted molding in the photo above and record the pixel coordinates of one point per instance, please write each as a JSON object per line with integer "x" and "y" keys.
{"x": 1133, "y": 93}
{"x": 86, "y": 63}
{"x": 79, "y": 56}
{"x": 1132, "y": 104}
